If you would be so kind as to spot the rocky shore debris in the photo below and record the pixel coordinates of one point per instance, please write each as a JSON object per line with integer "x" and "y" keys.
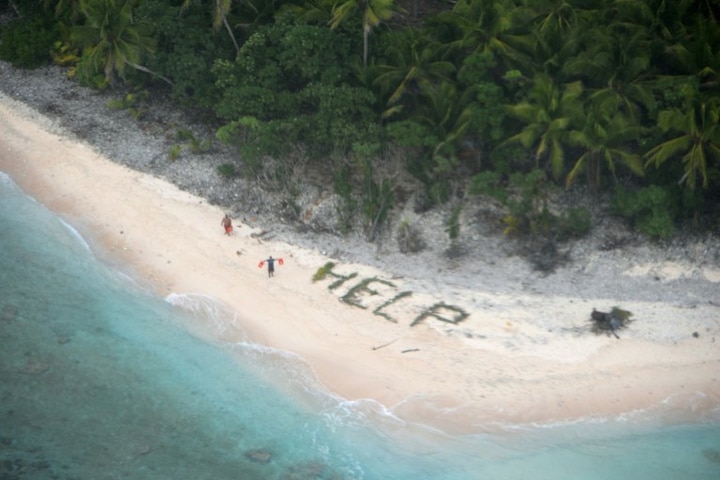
{"x": 610, "y": 323}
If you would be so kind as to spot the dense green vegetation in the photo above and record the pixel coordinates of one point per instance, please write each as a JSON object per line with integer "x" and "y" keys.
{"x": 507, "y": 98}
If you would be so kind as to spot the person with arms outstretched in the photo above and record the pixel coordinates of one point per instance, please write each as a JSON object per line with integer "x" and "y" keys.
{"x": 271, "y": 265}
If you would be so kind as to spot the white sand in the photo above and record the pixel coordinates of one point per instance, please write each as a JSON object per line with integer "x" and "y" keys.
{"x": 514, "y": 359}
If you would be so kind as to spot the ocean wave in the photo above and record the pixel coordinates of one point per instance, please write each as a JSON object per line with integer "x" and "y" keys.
{"x": 207, "y": 311}
{"x": 75, "y": 234}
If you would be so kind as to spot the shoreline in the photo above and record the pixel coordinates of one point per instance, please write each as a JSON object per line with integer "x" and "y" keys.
{"x": 516, "y": 359}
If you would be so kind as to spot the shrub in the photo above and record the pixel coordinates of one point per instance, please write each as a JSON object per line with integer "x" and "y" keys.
{"x": 652, "y": 210}
{"x": 409, "y": 238}
{"x": 293, "y": 80}
{"x": 130, "y": 104}
{"x": 378, "y": 197}
{"x": 452, "y": 226}
{"x": 575, "y": 222}
{"x": 526, "y": 198}
{"x": 185, "y": 49}
{"x": 227, "y": 170}
{"x": 28, "y": 42}
{"x": 491, "y": 184}
{"x": 377, "y": 203}
{"x": 528, "y": 206}
{"x": 194, "y": 144}
{"x": 343, "y": 187}
{"x": 175, "y": 152}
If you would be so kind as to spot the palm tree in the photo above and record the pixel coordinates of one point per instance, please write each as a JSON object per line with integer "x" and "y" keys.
{"x": 698, "y": 140}
{"x": 111, "y": 39}
{"x": 670, "y": 19}
{"x": 373, "y": 12}
{"x": 557, "y": 34}
{"x": 553, "y": 15}
{"x": 447, "y": 113}
{"x": 69, "y": 9}
{"x": 617, "y": 66}
{"x": 318, "y": 12}
{"x": 413, "y": 60}
{"x": 548, "y": 115}
{"x": 604, "y": 137}
{"x": 699, "y": 53}
{"x": 483, "y": 27}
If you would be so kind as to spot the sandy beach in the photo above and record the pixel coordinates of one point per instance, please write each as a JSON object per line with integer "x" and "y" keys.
{"x": 458, "y": 358}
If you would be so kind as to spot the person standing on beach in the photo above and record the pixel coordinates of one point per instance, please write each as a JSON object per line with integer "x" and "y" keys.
{"x": 271, "y": 265}
{"x": 226, "y": 222}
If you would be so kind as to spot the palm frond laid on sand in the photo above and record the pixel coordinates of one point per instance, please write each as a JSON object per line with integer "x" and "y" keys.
{"x": 610, "y": 323}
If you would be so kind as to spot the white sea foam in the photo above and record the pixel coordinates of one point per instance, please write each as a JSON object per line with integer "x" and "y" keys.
{"x": 292, "y": 374}
{"x": 8, "y": 182}
{"x": 360, "y": 412}
{"x": 266, "y": 350}
{"x": 75, "y": 234}
{"x": 286, "y": 369}
{"x": 209, "y": 311}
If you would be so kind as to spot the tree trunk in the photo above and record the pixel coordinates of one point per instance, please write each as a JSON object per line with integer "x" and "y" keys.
{"x": 230, "y": 32}
{"x": 154, "y": 74}
{"x": 366, "y": 34}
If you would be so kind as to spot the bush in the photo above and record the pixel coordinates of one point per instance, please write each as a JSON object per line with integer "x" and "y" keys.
{"x": 452, "y": 226}
{"x": 409, "y": 238}
{"x": 175, "y": 152}
{"x": 28, "y": 42}
{"x": 652, "y": 210}
{"x": 529, "y": 214}
{"x": 377, "y": 203}
{"x": 576, "y": 222}
{"x": 186, "y": 49}
{"x": 526, "y": 197}
{"x": 227, "y": 170}
{"x": 295, "y": 81}
{"x": 343, "y": 187}
{"x": 489, "y": 183}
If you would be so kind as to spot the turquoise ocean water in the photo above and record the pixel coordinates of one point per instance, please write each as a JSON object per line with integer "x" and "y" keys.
{"x": 101, "y": 380}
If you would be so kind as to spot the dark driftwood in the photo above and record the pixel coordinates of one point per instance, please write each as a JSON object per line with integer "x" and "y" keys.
{"x": 385, "y": 344}
{"x": 262, "y": 235}
{"x": 259, "y": 234}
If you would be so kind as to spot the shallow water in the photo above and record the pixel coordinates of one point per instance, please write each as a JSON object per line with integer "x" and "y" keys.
{"x": 101, "y": 380}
